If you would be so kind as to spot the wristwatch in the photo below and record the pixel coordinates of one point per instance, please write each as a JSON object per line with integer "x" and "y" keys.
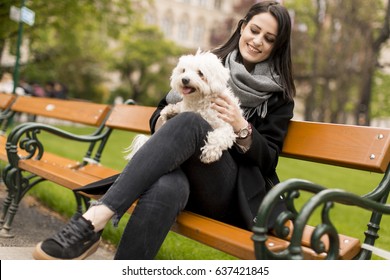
{"x": 243, "y": 133}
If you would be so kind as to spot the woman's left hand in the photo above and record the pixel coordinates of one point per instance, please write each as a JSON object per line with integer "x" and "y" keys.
{"x": 229, "y": 111}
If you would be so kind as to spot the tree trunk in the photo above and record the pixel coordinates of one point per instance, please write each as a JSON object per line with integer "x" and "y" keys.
{"x": 310, "y": 101}
{"x": 362, "y": 115}
{"x": 2, "y": 45}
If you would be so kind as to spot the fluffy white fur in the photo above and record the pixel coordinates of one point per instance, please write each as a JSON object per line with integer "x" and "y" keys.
{"x": 198, "y": 79}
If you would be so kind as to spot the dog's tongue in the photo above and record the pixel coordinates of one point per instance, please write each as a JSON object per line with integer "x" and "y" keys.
{"x": 187, "y": 90}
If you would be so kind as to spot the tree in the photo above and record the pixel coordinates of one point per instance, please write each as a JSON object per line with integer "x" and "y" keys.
{"x": 332, "y": 52}
{"x": 8, "y": 29}
{"x": 69, "y": 41}
{"x": 375, "y": 40}
{"x": 145, "y": 60}
{"x": 380, "y": 96}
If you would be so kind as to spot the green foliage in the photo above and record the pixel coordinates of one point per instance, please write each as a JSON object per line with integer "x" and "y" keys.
{"x": 68, "y": 43}
{"x": 381, "y": 95}
{"x": 333, "y": 55}
{"x": 77, "y": 42}
{"x": 145, "y": 60}
{"x": 8, "y": 28}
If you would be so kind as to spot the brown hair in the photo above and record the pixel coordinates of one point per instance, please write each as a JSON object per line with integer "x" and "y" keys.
{"x": 281, "y": 52}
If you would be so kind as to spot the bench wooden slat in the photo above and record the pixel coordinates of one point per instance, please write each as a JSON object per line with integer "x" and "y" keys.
{"x": 56, "y": 173}
{"x": 349, "y": 246}
{"x": 354, "y": 153}
{"x": 232, "y": 240}
{"x": 60, "y": 161}
{"x": 130, "y": 117}
{"x": 98, "y": 170}
{"x": 74, "y": 111}
{"x": 340, "y": 145}
{"x": 3, "y": 152}
{"x": 87, "y": 113}
{"x": 6, "y": 100}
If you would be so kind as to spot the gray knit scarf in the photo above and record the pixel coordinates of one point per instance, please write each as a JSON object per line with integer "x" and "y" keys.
{"x": 253, "y": 89}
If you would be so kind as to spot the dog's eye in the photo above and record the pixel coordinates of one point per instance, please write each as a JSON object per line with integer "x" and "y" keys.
{"x": 200, "y": 73}
{"x": 183, "y": 70}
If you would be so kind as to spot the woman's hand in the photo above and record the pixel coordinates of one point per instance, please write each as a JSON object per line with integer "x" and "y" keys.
{"x": 159, "y": 123}
{"x": 229, "y": 111}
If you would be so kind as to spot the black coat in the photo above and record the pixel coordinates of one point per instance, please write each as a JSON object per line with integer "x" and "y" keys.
{"x": 257, "y": 167}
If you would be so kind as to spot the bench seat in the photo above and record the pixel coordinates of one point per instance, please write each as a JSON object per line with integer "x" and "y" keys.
{"x": 230, "y": 239}
{"x": 75, "y": 111}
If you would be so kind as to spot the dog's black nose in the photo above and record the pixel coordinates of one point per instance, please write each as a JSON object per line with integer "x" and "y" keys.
{"x": 185, "y": 81}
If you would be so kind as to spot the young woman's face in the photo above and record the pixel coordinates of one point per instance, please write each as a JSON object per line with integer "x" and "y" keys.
{"x": 257, "y": 39}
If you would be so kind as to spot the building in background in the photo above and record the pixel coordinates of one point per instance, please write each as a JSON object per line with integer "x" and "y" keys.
{"x": 195, "y": 23}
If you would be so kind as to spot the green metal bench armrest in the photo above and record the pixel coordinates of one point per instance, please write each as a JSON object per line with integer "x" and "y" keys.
{"x": 375, "y": 201}
{"x": 289, "y": 190}
{"x": 26, "y": 137}
{"x": 382, "y": 189}
{"x": 326, "y": 199}
{"x": 6, "y": 114}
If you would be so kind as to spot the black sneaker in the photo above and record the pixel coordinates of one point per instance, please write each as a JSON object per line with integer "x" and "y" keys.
{"x": 76, "y": 241}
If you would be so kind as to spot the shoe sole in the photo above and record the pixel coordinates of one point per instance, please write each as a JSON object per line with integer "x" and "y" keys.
{"x": 39, "y": 254}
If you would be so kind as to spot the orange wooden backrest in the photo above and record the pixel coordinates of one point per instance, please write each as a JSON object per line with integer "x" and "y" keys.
{"x": 364, "y": 148}
{"x": 131, "y": 117}
{"x": 75, "y": 111}
{"x": 6, "y": 100}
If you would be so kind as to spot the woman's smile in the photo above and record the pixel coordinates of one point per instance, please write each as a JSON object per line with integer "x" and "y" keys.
{"x": 253, "y": 49}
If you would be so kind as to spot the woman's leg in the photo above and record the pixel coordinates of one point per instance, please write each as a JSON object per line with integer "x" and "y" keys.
{"x": 151, "y": 220}
{"x": 177, "y": 142}
{"x": 174, "y": 143}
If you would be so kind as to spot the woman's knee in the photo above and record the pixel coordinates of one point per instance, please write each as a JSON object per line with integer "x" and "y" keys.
{"x": 172, "y": 189}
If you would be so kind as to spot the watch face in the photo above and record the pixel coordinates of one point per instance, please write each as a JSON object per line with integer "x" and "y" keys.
{"x": 243, "y": 133}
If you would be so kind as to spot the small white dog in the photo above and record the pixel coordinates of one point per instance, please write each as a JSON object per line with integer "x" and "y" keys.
{"x": 198, "y": 79}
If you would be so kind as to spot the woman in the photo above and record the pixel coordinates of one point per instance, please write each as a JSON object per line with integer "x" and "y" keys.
{"x": 229, "y": 190}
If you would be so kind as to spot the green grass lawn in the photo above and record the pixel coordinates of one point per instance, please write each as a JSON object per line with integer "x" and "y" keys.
{"x": 348, "y": 220}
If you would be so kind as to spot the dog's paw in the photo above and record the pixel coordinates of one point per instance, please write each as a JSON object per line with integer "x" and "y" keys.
{"x": 168, "y": 112}
{"x": 210, "y": 154}
{"x": 164, "y": 118}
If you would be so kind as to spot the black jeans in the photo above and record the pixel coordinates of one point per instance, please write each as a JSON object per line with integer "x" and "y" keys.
{"x": 166, "y": 176}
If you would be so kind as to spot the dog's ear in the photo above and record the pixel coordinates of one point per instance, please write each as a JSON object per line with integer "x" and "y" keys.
{"x": 199, "y": 51}
{"x": 219, "y": 80}
{"x": 175, "y": 72}
{"x": 215, "y": 72}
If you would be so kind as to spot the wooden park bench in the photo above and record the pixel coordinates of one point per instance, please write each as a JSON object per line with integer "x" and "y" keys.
{"x": 306, "y": 141}
{"x": 81, "y": 112}
{"x": 6, "y": 101}
{"x": 86, "y": 113}
{"x": 355, "y": 147}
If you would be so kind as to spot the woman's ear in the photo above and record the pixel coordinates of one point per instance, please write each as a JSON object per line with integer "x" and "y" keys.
{"x": 243, "y": 25}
